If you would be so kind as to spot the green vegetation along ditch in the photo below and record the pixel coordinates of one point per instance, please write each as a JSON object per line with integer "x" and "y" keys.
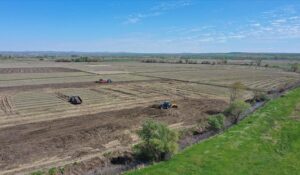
{"x": 266, "y": 142}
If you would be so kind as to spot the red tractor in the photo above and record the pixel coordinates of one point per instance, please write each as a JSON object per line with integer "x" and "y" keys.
{"x": 104, "y": 81}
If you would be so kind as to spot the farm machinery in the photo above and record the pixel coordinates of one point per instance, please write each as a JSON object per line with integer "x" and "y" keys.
{"x": 104, "y": 81}
{"x": 165, "y": 105}
{"x": 75, "y": 100}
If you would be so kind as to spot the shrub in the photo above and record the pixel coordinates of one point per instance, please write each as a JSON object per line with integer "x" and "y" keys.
{"x": 63, "y": 60}
{"x": 295, "y": 67}
{"x": 52, "y": 171}
{"x": 61, "y": 170}
{"x": 216, "y": 122}
{"x": 260, "y": 96}
{"x": 205, "y": 62}
{"x": 38, "y": 173}
{"x": 158, "y": 142}
{"x": 235, "y": 109}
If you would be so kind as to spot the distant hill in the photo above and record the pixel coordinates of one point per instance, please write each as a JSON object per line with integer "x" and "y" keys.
{"x": 230, "y": 55}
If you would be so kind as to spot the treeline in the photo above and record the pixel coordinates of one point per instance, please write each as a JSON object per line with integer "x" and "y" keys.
{"x": 183, "y": 61}
{"x": 124, "y": 55}
{"x": 154, "y": 60}
{"x": 80, "y": 59}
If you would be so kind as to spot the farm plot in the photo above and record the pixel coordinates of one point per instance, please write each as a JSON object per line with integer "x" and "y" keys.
{"x": 40, "y": 79}
{"x": 40, "y": 128}
{"x": 35, "y": 70}
{"x": 39, "y": 105}
{"x": 78, "y": 138}
{"x": 264, "y": 79}
{"x": 32, "y": 76}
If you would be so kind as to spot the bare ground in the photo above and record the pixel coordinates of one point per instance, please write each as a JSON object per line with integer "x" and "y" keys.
{"x": 67, "y": 85}
{"x": 25, "y": 147}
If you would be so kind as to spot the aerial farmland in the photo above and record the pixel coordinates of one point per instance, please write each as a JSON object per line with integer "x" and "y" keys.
{"x": 40, "y": 128}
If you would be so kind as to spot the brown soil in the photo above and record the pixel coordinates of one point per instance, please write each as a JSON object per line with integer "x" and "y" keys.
{"x": 36, "y": 70}
{"x": 76, "y": 137}
{"x": 67, "y": 85}
{"x": 5, "y": 105}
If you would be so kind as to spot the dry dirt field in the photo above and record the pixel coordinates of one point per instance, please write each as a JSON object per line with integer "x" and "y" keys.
{"x": 39, "y": 129}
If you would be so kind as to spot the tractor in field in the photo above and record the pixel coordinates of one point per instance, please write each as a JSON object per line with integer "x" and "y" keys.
{"x": 75, "y": 100}
{"x": 104, "y": 81}
{"x": 165, "y": 105}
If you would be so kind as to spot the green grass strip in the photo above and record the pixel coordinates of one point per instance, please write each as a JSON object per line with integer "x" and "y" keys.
{"x": 267, "y": 142}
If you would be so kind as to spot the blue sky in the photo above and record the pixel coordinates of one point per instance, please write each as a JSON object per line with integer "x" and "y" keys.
{"x": 150, "y": 25}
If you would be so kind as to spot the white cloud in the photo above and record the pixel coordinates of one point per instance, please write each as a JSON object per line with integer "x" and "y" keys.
{"x": 132, "y": 19}
{"x": 157, "y": 10}
{"x": 170, "y": 5}
{"x": 256, "y": 25}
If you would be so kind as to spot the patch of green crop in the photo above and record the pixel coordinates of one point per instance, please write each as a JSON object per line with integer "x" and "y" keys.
{"x": 267, "y": 142}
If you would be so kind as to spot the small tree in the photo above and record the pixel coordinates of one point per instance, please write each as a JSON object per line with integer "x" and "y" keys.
{"x": 216, "y": 122}
{"x": 295, "y": 67}
{"x": 158, "y": 142}
{"x": 258, "y": 61}
{"x": 235, "y": 90}
{"x": 237, "y": 108}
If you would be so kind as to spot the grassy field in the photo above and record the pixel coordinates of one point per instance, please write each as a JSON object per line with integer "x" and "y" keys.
{"x": 267, "y": 142}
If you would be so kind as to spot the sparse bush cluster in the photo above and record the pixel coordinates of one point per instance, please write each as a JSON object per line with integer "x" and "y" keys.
{"x": 233, "y": 112}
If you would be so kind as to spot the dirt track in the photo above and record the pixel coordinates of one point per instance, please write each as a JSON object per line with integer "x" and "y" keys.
{"x": 70, "y": 138}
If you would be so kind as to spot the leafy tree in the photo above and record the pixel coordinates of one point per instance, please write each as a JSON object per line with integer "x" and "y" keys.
{"x": 235, "y": 90}
{"x": 216, "y": 122}
{"x": 158, "y": 142}
{"x": 236, "y": 109}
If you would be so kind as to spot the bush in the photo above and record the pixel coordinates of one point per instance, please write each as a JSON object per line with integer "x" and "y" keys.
{"x": 295, "y": 67}
{"x": 260, "y": 96}
{"x": 61, "y": 170}
{"x": 205, "y": 62}
{"x": 38, "y": 173}
{"x": 216, "y": 122}
{"x": 63, "y": 60}
{"x": 52, "y": 171}
{"x": 158, "y": 142}
{"x": 235, "y": 109}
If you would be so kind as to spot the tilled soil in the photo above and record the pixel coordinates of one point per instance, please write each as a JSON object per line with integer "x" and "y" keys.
{"x": 78, "y": 136}
{"x": 66, "y": 85}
